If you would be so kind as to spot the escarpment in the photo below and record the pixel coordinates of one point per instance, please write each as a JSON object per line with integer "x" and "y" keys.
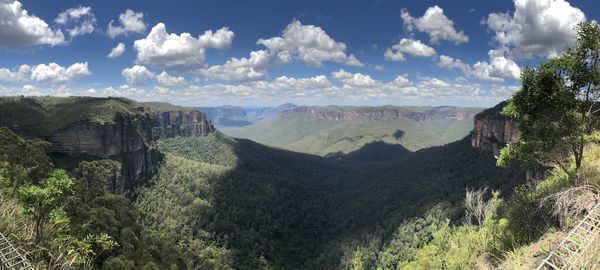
{"x": 128, "y": 140}
{"x": 357, "y": 114}
{"x": 111, "y": 128}
{"x": 492, "y": 130}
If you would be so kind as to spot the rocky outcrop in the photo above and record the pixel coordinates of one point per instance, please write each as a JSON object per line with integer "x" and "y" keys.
{"x": 492, "y": 130}
{"x": 379, "y": 113}
{"x": 128, "y": 140}
{"x": 182, "y": 124}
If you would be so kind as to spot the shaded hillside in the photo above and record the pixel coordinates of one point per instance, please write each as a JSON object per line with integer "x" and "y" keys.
{"x": 285, "y": 210}
{"x": 236, "y": 204}
{"x": 332, "y": 130}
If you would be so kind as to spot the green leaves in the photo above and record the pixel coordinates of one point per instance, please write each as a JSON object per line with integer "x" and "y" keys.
{"x": 552, "y": 109}
{"x": 41, "y": 200}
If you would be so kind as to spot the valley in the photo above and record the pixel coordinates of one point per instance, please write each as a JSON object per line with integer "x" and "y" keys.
{"x": 299, "y": 135}
{"x": 331, "y": 131}
{"x": 234, "y": 203}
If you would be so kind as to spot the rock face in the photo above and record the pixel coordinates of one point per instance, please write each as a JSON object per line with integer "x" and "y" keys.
{"x": 128, "y": 140}
{"x": 378, "y": 113}
{"x": 182, "y": 124}
{"x": 492, "y": 130}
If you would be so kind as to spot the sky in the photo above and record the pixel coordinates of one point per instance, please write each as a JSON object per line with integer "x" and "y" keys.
{"x": 269, "y": 52}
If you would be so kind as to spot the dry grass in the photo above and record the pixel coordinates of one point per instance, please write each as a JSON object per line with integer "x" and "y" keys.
{"x": 572, "y": 203}
{"x": 18, "y": 227}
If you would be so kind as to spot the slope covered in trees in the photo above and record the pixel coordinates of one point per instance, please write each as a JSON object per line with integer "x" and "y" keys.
{"x": 340, "y": 130}
{"x": 272, "y": 208}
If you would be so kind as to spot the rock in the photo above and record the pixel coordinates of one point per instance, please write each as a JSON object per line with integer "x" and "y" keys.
{"x": 492, "y": 131}
{"x": 179, "y": 123}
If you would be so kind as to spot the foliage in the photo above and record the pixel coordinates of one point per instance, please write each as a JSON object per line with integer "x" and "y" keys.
{"x": 39, "y": 116}
{"x": 556, "y": 108}
{"x": 30, "y": 165}
{"x": 95, "y": 212}
{"x": 42, "y": 200}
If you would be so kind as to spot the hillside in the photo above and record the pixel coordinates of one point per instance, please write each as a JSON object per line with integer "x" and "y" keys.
{"x": 40, "y": 116}
{"x": 341, "y": 130}
{"x": 217, "y": 202}
{"x": 286, "y": 210}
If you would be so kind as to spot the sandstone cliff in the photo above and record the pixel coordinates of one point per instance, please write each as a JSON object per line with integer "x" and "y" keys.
{"x": 178, "y": 123}
{"x": 492, "y": 130}
{"x": 85, "y": 128}
{"x": 128, "y": 140}
{"x": 334, "y": 113}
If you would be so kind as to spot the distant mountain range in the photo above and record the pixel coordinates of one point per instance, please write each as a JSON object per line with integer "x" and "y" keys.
{"x": 237, "y": 116}
{"x": 336, "y": 130}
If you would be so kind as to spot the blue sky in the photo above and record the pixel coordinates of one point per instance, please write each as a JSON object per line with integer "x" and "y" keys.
{"x": 377, "y": 52}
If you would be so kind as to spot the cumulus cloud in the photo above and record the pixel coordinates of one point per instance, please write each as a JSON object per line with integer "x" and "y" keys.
{"x": 129, "y": 22}
{"x": 234, "y": 69}
{"x": 410, "y": 46}
{"x": 452, "y": 63}
{"x": 18, "y": 27}
{"x": 117, "y": 51}
{"x": 497, "y": 69}
{"x": 309, "y": 44}
{"x": 167, "y": 80}
{"x": 304, "y": 43}
{"x": 80, "y": 20}
{"x": 54, "y": 72}
{"x": 436, "y": 24}
{"x": 137, "y": 74}
{"x": 353, "y": 79}
{"x": 179, "y": 52}
{"x": 221, "y": 39}
{"x": 18, "y": 74}
{"x": 535, "y": 28}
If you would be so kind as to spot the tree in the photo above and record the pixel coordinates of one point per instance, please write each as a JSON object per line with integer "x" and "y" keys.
{"x": 41, "y": 200}
{"x": 357, "y": 260}
{"x": 556, "y": 109}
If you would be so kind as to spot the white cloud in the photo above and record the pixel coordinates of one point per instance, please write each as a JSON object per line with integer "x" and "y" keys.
{"x": 305, "y": 43}
{"x": 497, "y": 69}
{"x": 179, "y": 52}
{"x": 435, "y": 23}
{"x": 252, "y": 68}
{"x": 379, "y": 67}
{"x": 18, "y": 27}
{"x": 54, "y": 72}
{"x": 451, "y": 63}
{"x": 117, "y": 51}
{"x": 309, "y": 44}
{"x": 130, "y": 22}
{"x": 408, "y": 45}
{"x": 137, "y": 74}
{"x": 80, "y": 19}
{"x": 221, "y": 39}
{"x": 536, "y": 28}
{"x": 19, "y": 74}
{"x": 353, "y": 79}
{"x": 167, "y": 80}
